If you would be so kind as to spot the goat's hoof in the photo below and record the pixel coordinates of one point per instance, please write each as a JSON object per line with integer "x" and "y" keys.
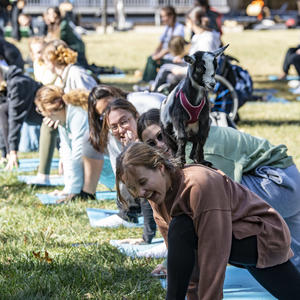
{"x": 206, "y": 163}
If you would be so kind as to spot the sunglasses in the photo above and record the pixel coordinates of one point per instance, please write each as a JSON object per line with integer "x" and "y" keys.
{"x": 153, "y": 142}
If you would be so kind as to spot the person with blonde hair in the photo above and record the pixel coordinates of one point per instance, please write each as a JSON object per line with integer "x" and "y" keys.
{"x": 207, "y": 220}
{"x": 69, "y": 111}
{"x": 59, "y": 59}
{"x": 40, "y": 72}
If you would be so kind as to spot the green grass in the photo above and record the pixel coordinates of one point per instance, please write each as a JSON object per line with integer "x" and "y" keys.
{"x": 93, "y": 269}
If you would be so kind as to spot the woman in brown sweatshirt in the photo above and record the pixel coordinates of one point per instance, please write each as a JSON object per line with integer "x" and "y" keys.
{"x": 208, "y": 221}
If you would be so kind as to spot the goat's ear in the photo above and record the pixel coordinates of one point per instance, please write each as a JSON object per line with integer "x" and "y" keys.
{"x": 220, "y": 51}
{"x": 189, "y": 59}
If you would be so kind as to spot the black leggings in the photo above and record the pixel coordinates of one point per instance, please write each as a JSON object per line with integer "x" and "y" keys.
{"x": 282, "y": 281}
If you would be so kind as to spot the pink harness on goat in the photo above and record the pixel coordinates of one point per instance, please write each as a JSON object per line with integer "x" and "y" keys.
{"x": 192, "y": 111}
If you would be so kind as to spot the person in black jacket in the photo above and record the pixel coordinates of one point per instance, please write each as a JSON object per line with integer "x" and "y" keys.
{"x": 19, "y": 107}
{"x": 10, "y": 53}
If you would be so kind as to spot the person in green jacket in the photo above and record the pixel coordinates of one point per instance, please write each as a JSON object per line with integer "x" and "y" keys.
{"x": 265, "y": 169}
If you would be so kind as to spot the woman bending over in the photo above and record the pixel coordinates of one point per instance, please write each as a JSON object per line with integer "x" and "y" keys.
{"x": 208, "y": 221}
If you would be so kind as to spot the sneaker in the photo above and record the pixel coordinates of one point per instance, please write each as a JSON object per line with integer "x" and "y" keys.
{"x": 113, "y": 221}
{"x": 39, "y": 179}
{"x": 294, "y": 84}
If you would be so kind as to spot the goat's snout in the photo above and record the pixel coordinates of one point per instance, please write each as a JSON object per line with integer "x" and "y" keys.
{"x": 212, "y": 84}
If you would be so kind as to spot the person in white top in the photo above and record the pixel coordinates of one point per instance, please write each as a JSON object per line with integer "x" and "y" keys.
{"x": 204, "y": 39}
{"x": 161, "y": 54}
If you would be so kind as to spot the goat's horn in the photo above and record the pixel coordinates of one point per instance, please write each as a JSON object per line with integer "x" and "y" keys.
{"x": 220, "y": 50}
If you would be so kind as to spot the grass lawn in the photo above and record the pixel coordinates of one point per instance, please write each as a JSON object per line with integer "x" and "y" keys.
{"x": 92, "y": 269}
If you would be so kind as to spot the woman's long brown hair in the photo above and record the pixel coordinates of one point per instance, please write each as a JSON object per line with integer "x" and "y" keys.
{"x": 140, "y": 154}
{"x": 116, "y": 104}
{"x": 99, "y": 93}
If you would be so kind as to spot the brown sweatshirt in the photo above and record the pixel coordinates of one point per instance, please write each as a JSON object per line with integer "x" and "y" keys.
{"x": 220, "y": 207}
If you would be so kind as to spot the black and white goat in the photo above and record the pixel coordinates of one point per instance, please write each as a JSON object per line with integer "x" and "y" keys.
{"x": 185, "y": 112}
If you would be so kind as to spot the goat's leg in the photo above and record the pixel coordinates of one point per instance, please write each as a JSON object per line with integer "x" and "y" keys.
{"x": 181, "y": 141}
{"x": 181, "y": 150}
{"x": 199, "y": 155}
{"x": 193, "y": 151}
{"x": 168, "y": 136}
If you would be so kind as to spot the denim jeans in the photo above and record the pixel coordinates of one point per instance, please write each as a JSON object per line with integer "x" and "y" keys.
{"x": 29, "y": 139}
{"x": 281, "y": 189}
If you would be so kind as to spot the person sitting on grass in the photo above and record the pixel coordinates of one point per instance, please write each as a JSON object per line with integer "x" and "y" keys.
{"x": 265, "y": 169}
{"x": 204, "y": 39}
{"x": 292, "y": 58}
{"x": 207, "y": 220}
{"x": 69, "y": 111}
{"x": 161, "y": 54}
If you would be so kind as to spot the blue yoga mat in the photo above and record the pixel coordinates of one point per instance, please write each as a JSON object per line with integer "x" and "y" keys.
{"x": 53, "y": 180}
{"x": 31, "y": 164}
{"x": 120, "y": 75}
{"x": 265, "y": 91}
{"x": 239, "y": 284}
{"x": 97, "y": 214}
{"x": 289, "y": 77}
{"x": 50, "y": 199}
{"x": 107, "y": 175}
{"x": 140, "y": 250}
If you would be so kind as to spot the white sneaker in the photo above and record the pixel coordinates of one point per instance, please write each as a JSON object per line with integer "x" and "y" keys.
{"x": 293, "y": 84}
{"x": 39, "y": 179}
{"x": 113, "y": 221}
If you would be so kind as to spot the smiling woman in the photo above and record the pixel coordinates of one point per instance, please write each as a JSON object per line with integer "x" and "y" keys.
{"x": 191, "y": 205}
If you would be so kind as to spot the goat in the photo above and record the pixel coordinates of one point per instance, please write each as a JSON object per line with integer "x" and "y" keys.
{"x": 185, "y": 112}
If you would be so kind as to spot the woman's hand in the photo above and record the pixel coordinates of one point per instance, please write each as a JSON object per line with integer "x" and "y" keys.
{"x": 58, "y": 193}
{"x": 160, "y": 270}
{"x": 12, "y": 161}
{"x": 138, "y": 241}
{"x": 128, "y": 138}
{"x": 50, "y": 123}
{"x": 68, "y": 198}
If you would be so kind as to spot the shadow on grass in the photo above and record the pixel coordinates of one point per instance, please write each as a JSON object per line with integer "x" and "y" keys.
{"x": 102, "y": 272}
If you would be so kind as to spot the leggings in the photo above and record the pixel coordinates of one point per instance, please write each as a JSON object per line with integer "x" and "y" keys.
{"x": 282, "y": 281}
{"x": 48, "y": 137}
